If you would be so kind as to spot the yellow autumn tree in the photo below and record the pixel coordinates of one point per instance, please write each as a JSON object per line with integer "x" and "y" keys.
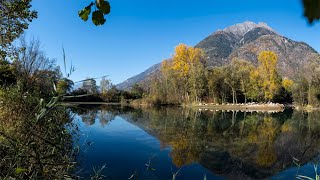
{"x": 188, "y": 67}
{"x": 268, "y": 73}
{"x": 185, "y": 57}
{"x": 287, "y": 84}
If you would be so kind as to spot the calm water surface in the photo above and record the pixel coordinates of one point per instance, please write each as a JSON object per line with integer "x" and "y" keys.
{"x": 156, "y": 143}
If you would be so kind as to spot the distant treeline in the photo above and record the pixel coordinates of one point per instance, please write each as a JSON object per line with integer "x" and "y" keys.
{"x": 186, "y": 79}
{"x": 89, "y": 91}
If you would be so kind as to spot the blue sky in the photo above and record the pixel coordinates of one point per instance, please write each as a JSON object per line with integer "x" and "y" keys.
{"x": 140, "y": 33}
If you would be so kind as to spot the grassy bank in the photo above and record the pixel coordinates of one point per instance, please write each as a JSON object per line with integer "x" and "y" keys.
{"x": 242, "y": 107}
{"x": 225, "y": 106}
{"x": 35, "y": 137}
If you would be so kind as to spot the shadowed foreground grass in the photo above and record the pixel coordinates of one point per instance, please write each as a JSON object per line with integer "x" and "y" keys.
{"x": 35, "y": 137}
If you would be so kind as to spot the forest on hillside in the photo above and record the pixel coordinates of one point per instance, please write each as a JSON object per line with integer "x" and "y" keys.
{"x": 187, "y": 79}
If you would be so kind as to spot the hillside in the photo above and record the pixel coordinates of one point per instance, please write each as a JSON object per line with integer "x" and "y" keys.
{"x": 138, "y": 78}
{"x": 244, "y": 41}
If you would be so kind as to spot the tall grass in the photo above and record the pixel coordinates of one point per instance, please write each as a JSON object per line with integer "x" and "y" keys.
{"x": 35, "y": 137}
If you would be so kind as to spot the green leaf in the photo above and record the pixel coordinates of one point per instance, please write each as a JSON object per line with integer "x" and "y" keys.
{"x": 84, "y": 13}
{"x": 103, "y": 6}
{"x": 98, "y": 18}
{"x": 20, "y": 170}
{"x": 312, "y": 10}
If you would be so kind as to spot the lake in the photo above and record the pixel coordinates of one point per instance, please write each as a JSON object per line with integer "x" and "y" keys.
{"x": 159, "y": 143}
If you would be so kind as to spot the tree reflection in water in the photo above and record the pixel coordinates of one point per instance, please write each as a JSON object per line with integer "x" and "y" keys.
{"x": 237, "y": 144}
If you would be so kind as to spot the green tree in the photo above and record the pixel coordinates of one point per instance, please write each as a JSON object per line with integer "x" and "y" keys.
{"x": 113, "y": 95}
{"x": 64, "y": 86}
{"x": 236, "y": 76}
{"x": 90, "y": 86}
{"x": 311, "y": 73}
{"x": 232, "y": 81}
{"x": 43, "y": 85}
{"x": 218, "y": 89}
{"x": 197, "y": 81}
{"x": 243, "y": 69}
{"x": 300, "y": 90}
{"x": 105, "y": 85}
{"x": 7, "y": 73}
{"x": 15, "y": 16}
{"x": 137, "y": 91}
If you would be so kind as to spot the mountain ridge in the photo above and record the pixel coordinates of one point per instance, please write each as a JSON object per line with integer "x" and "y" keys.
{"x": 244, "y": 41}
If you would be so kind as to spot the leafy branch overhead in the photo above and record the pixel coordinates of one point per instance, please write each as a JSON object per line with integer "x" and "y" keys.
{"x": 312, "y": 10}
{"x": 101, "y": 8}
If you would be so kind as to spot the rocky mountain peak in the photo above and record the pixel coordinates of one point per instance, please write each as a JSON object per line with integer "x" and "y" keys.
{"x": 241, "y": 29}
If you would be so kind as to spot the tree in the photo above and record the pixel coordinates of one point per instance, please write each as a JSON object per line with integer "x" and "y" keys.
{"x": 7, "y": 73}
{"x": 113, "y": 95}
{"x": 232, "y": 81}
{"x": 311, "y": 73}
{"x": 236, "y": 77}
{"x": 64, "y": 86}
{"x": 185, "y": 59}
{"x": 181, "y": 79}
{"x": 268, "y": 73}
{"x": 44, "y": 82}
{"x": 90, "y": 86}
{"x": 32, "y": 64}
{"x": 197, "y": 82}
{"x": 137, "y": 91}
{"x": 300, "y": 90}
{"x": 105, "y": 85}
{"x": 287, "y": 84}
{"x": 243, "y": 69}
{"x": 255, "y": 83}
{"x": 162, "y": 84}
{"x": 218, "y": 89}
{"x": 15, "y": 16}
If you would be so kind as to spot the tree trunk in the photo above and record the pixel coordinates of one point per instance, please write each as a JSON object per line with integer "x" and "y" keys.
{"x": 233, "y": 96}
{"x": 245, "y": 98}
{"x": 309, "y": 94}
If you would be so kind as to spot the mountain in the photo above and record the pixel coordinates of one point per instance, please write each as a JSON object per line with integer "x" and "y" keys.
{"x": 245, "y": 41}
{"x": 139, "y": 78}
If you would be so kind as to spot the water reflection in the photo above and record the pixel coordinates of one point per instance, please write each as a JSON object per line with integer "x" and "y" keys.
{"x": 105, "y": 114}
{"x": 232, "y": 144}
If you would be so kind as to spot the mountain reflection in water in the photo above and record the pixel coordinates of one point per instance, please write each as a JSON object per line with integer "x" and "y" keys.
{"x": 231, "y": 144}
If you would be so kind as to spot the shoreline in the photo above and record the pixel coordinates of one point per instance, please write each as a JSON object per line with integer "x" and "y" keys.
{"x": 249, "y": 107}
{"x": 90, "y": 103}
{"x": 267, "y": 107}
